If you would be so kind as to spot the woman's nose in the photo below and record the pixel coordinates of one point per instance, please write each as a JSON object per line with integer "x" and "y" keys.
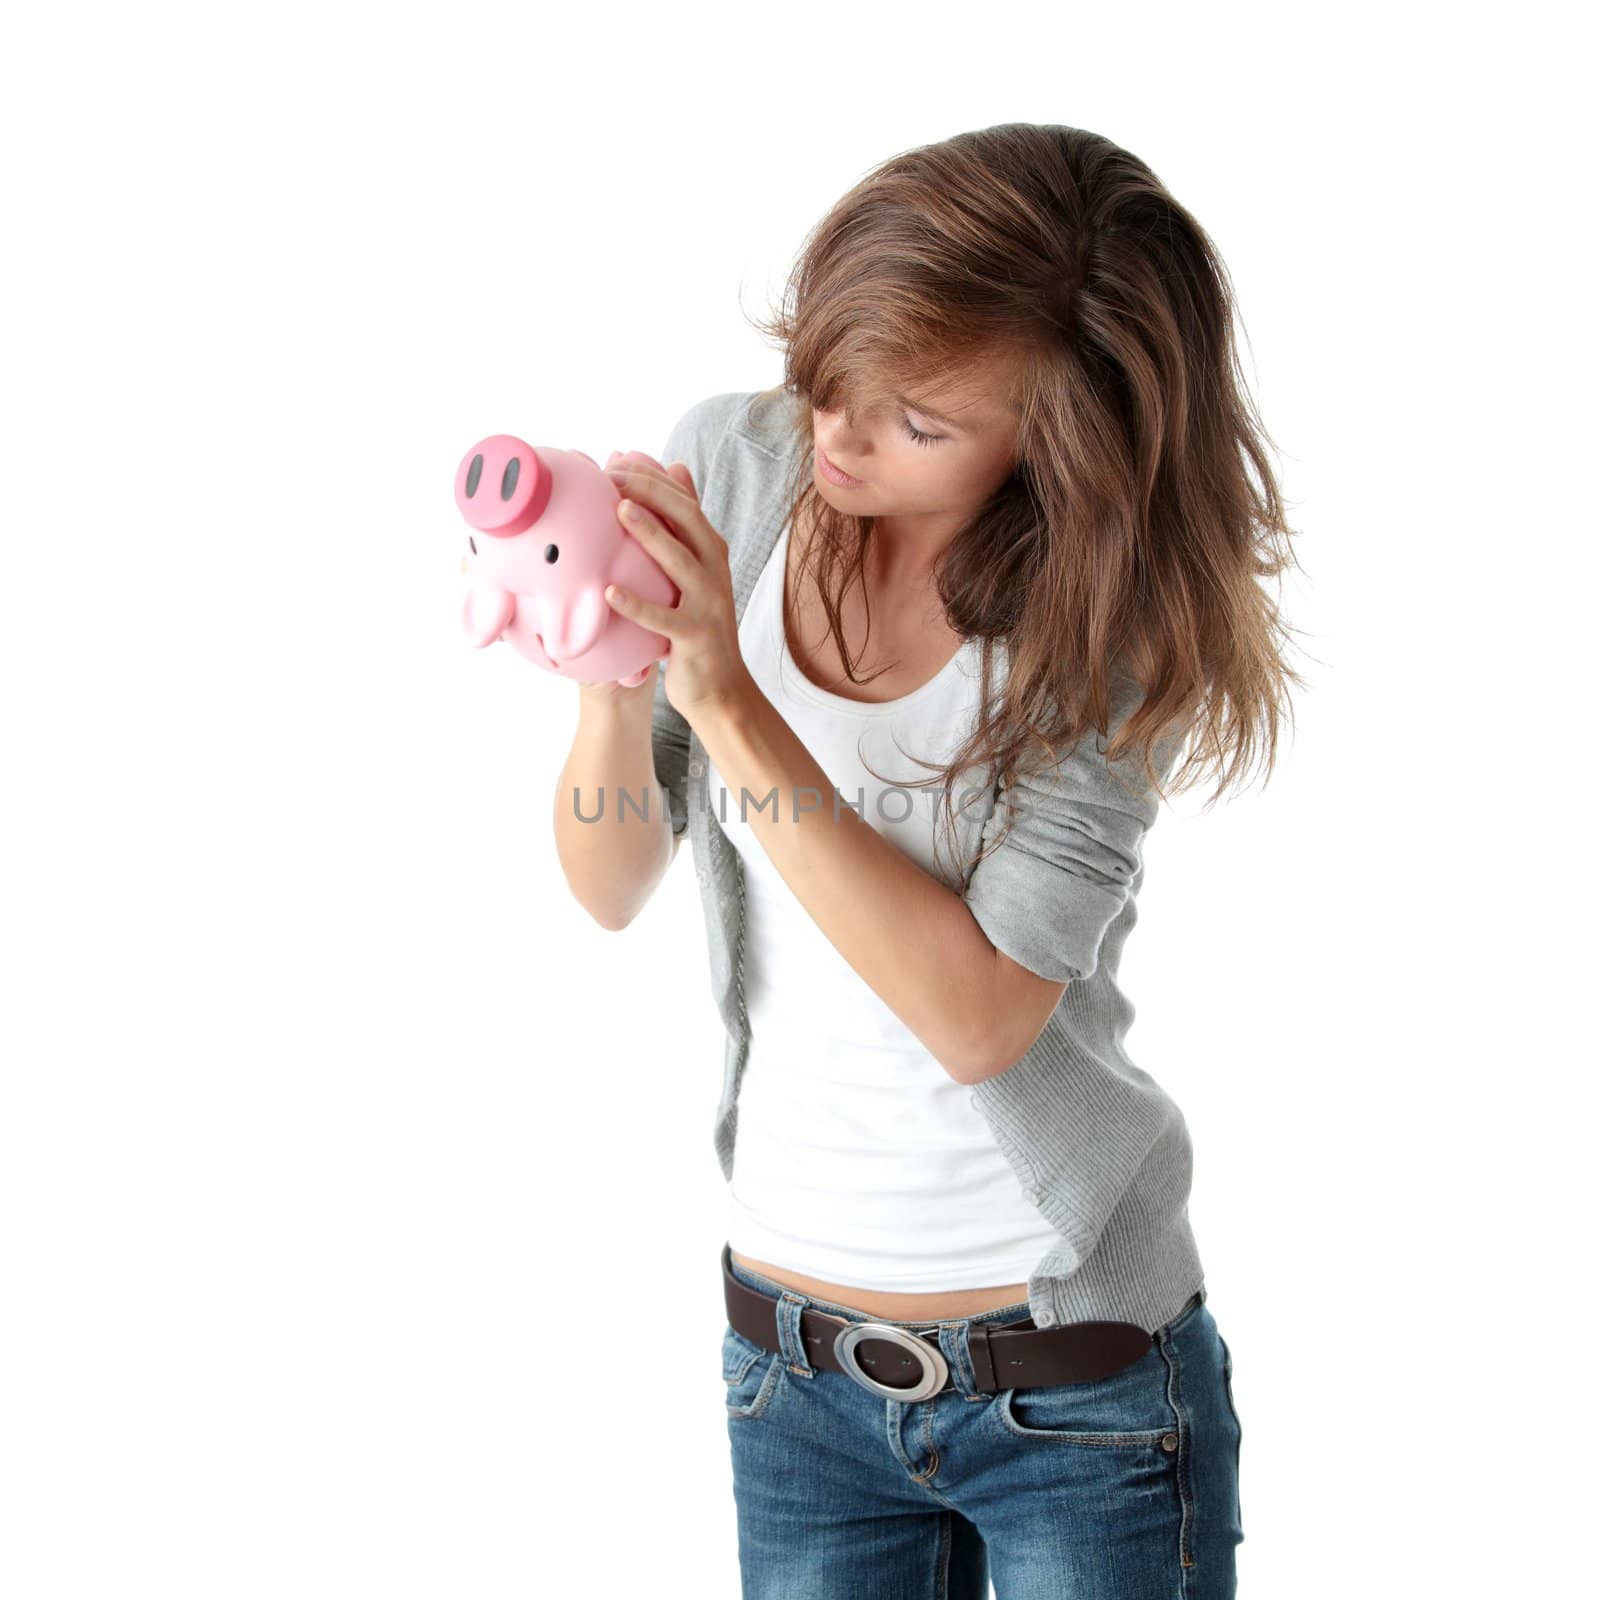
{"x": 840, "y": 434}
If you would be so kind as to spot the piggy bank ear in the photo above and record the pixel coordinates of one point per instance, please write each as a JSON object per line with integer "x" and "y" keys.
{"x": 569, "y": 625}
{"x": 486, "y": 613}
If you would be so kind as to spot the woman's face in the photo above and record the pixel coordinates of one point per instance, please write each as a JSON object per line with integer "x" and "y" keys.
{"x": 931, "y": 456}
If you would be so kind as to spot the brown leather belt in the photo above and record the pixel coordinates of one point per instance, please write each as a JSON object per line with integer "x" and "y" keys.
{"x": 907, "y": 1365}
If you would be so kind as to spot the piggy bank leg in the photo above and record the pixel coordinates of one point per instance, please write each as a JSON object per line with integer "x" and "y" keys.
{"x": 486, "y": 612}
{"x": 634, "y": 679}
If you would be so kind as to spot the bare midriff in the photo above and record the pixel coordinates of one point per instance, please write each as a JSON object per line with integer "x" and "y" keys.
{"x": 889, "y": 1306}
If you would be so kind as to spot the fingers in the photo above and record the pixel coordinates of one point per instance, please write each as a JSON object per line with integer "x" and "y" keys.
{"x": 657, "y": 618}
{"x": 668, "y": 552}
{"x": 671, "y": 500}
{"x": 631, "y": 460}
{"x": 679, "y": 470}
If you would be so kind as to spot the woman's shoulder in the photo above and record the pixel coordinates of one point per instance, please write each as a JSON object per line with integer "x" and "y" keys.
{"x": 740, "y": 449}
{"x": 763, "y": 421}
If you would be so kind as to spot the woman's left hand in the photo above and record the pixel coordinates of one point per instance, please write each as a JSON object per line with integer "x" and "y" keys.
{"x": 705, "y": 669}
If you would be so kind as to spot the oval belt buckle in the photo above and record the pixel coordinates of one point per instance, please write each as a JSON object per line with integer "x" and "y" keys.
{"x": 935, "y": 1369}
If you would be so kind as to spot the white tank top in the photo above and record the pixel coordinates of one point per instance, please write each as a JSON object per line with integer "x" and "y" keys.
{"x": 858, "y": 1158}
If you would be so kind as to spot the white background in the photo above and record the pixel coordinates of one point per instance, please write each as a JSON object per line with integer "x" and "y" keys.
{"x": 359, "y": 1216}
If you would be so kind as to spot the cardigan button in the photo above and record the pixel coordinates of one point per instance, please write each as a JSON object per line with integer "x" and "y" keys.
{"x": 696, "y": 768}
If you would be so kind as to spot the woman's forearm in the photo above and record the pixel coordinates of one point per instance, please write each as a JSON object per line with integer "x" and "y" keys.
{"x": 613, "y": 832}
{"x": 912, "y": 939}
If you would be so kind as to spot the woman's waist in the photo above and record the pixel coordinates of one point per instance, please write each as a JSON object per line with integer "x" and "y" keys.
{"x": 934, "y": 1305}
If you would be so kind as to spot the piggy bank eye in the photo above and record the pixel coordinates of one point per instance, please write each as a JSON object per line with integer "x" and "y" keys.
{"x": 551, "y": 552}
{"x": 508, "y": 479}
{"x": 474, "y": 472}
{"x": 473, "y": 543}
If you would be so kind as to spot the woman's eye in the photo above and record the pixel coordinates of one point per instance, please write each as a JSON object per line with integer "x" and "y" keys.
{"x": 921, "y": 438}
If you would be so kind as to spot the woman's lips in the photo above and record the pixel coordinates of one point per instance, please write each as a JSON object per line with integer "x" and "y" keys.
{"x": 840, "y": 480}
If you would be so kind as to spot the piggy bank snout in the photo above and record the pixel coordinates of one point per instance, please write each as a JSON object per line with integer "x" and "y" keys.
{"x": 502, "y": 486}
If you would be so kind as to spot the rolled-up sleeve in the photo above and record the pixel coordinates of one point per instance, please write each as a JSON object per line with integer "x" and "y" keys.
{"x": 1058, "y": 880}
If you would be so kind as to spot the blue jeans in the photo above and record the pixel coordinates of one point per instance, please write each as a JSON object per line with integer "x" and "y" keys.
{"x": 1125, "y": 1488}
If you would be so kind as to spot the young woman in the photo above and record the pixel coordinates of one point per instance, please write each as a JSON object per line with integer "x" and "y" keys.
{"x": 955, "y": 599}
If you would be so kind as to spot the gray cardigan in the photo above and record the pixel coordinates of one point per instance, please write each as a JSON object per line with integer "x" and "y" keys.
{"x": 1095, "y": 1143}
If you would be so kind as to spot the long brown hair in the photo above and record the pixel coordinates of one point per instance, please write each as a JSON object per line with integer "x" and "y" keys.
{"x": 1125, "y": 550}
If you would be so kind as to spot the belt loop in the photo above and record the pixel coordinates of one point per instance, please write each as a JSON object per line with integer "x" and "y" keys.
{"x": 983, "y": 1362}
{"x": 966, "y": 1348}
{"x": 791, "y": 1337}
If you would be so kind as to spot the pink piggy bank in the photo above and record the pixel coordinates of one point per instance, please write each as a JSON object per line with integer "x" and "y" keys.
{"x": 544, "y": 543}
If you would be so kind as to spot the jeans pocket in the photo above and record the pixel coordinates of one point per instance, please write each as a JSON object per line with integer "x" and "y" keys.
{"x": 1129, "y": 1409}
{"x": 750, "y": 1372}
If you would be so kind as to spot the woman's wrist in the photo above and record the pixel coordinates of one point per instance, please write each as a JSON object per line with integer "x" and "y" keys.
{"x": 734, "y": 706}
{"x": 609, "y": 701}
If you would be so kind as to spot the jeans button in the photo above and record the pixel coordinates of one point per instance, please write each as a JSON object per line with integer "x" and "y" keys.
{"x": 1169, "y": 1442}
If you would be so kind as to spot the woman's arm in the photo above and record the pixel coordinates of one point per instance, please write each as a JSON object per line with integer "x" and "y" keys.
{"x": 614, "y": 860}
{"x": 912, "y": 939}
{"x": 975, "y": 976}
{"x": 630, "y": 740}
